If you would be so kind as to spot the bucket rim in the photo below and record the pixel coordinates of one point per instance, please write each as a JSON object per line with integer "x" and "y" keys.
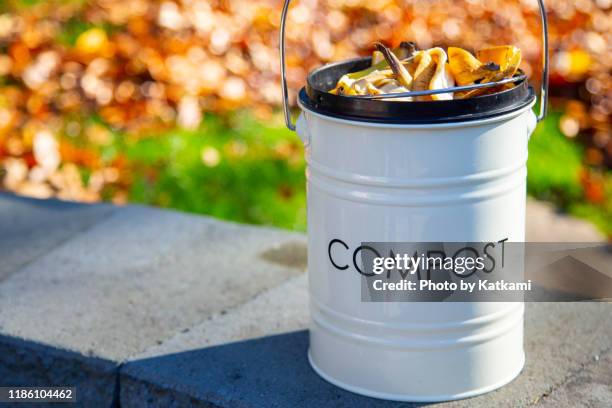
{"x": 361, "y": 122}
{"x": 316, "y": 97}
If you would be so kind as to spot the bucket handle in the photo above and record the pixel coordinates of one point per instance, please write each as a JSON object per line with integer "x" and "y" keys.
{"x": 543, "y": 85}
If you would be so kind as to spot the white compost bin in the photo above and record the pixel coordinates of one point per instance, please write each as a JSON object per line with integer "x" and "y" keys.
{"x": 397, "y": 171}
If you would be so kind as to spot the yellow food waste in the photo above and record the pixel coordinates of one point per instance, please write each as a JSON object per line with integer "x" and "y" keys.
{"x": 405, "y": 69}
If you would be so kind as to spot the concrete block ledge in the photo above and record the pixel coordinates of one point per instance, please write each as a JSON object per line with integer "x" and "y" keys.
{"x": 273, "y": 371}
{"x": 141, "y": 307}
{"x": 28, "y": 363}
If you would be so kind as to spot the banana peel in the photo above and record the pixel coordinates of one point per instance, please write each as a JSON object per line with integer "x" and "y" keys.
{"x": 489, "y": 65}
{"x": 404, "y": 51}
{"x": 508, "y": 58}
{"x": 399, "y": 71}
{"x": 464, "y": 66}
{"x": 345, "y": 84}
{"x": 348, "y": 85}
{"x": 432, "y": 72}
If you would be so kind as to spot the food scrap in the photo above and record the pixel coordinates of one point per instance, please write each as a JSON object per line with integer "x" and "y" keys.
{"x": 406, "y": 69}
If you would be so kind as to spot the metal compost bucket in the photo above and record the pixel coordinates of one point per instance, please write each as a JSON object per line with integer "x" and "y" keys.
{"x": 396, "y": 171}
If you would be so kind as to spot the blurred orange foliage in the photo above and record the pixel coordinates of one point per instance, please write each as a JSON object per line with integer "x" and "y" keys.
{"x": 143, "y": 66}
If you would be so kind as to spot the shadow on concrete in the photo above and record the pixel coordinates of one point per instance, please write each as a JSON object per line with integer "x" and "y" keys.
{"x": 265, "y": 372}
{"x": 25, "y": 363}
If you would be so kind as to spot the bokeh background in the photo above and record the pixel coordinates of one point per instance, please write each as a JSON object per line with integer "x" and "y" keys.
{"x": 176, "y": 103}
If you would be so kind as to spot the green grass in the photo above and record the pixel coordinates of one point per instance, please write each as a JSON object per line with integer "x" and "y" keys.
{"x": 554, "y": 168}
{"x": 259, "y": 177}
{"x": 554, "y": 164}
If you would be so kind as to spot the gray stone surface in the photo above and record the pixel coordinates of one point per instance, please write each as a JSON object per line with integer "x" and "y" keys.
{"x": 559, "y": 339}
{"x": 273, "y": 370}
{"x": 545, "y": 224}
{"x": 27, "y": 363}
{"x": 279, "y": 310}
{"x": 144, "y": 307}
{"x": 137, "y": 278}
{"x": 194, "y": 362}
{"x": 30, "y": 228}
{"x": 587, "y": 386}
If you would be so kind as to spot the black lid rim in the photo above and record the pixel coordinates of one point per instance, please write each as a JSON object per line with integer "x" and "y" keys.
{"x": 398, "y": 120}
{"x": 316, "y": 97}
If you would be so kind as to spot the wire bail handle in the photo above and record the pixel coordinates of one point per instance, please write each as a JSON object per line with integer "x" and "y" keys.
{"x": 543, "y": 85}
